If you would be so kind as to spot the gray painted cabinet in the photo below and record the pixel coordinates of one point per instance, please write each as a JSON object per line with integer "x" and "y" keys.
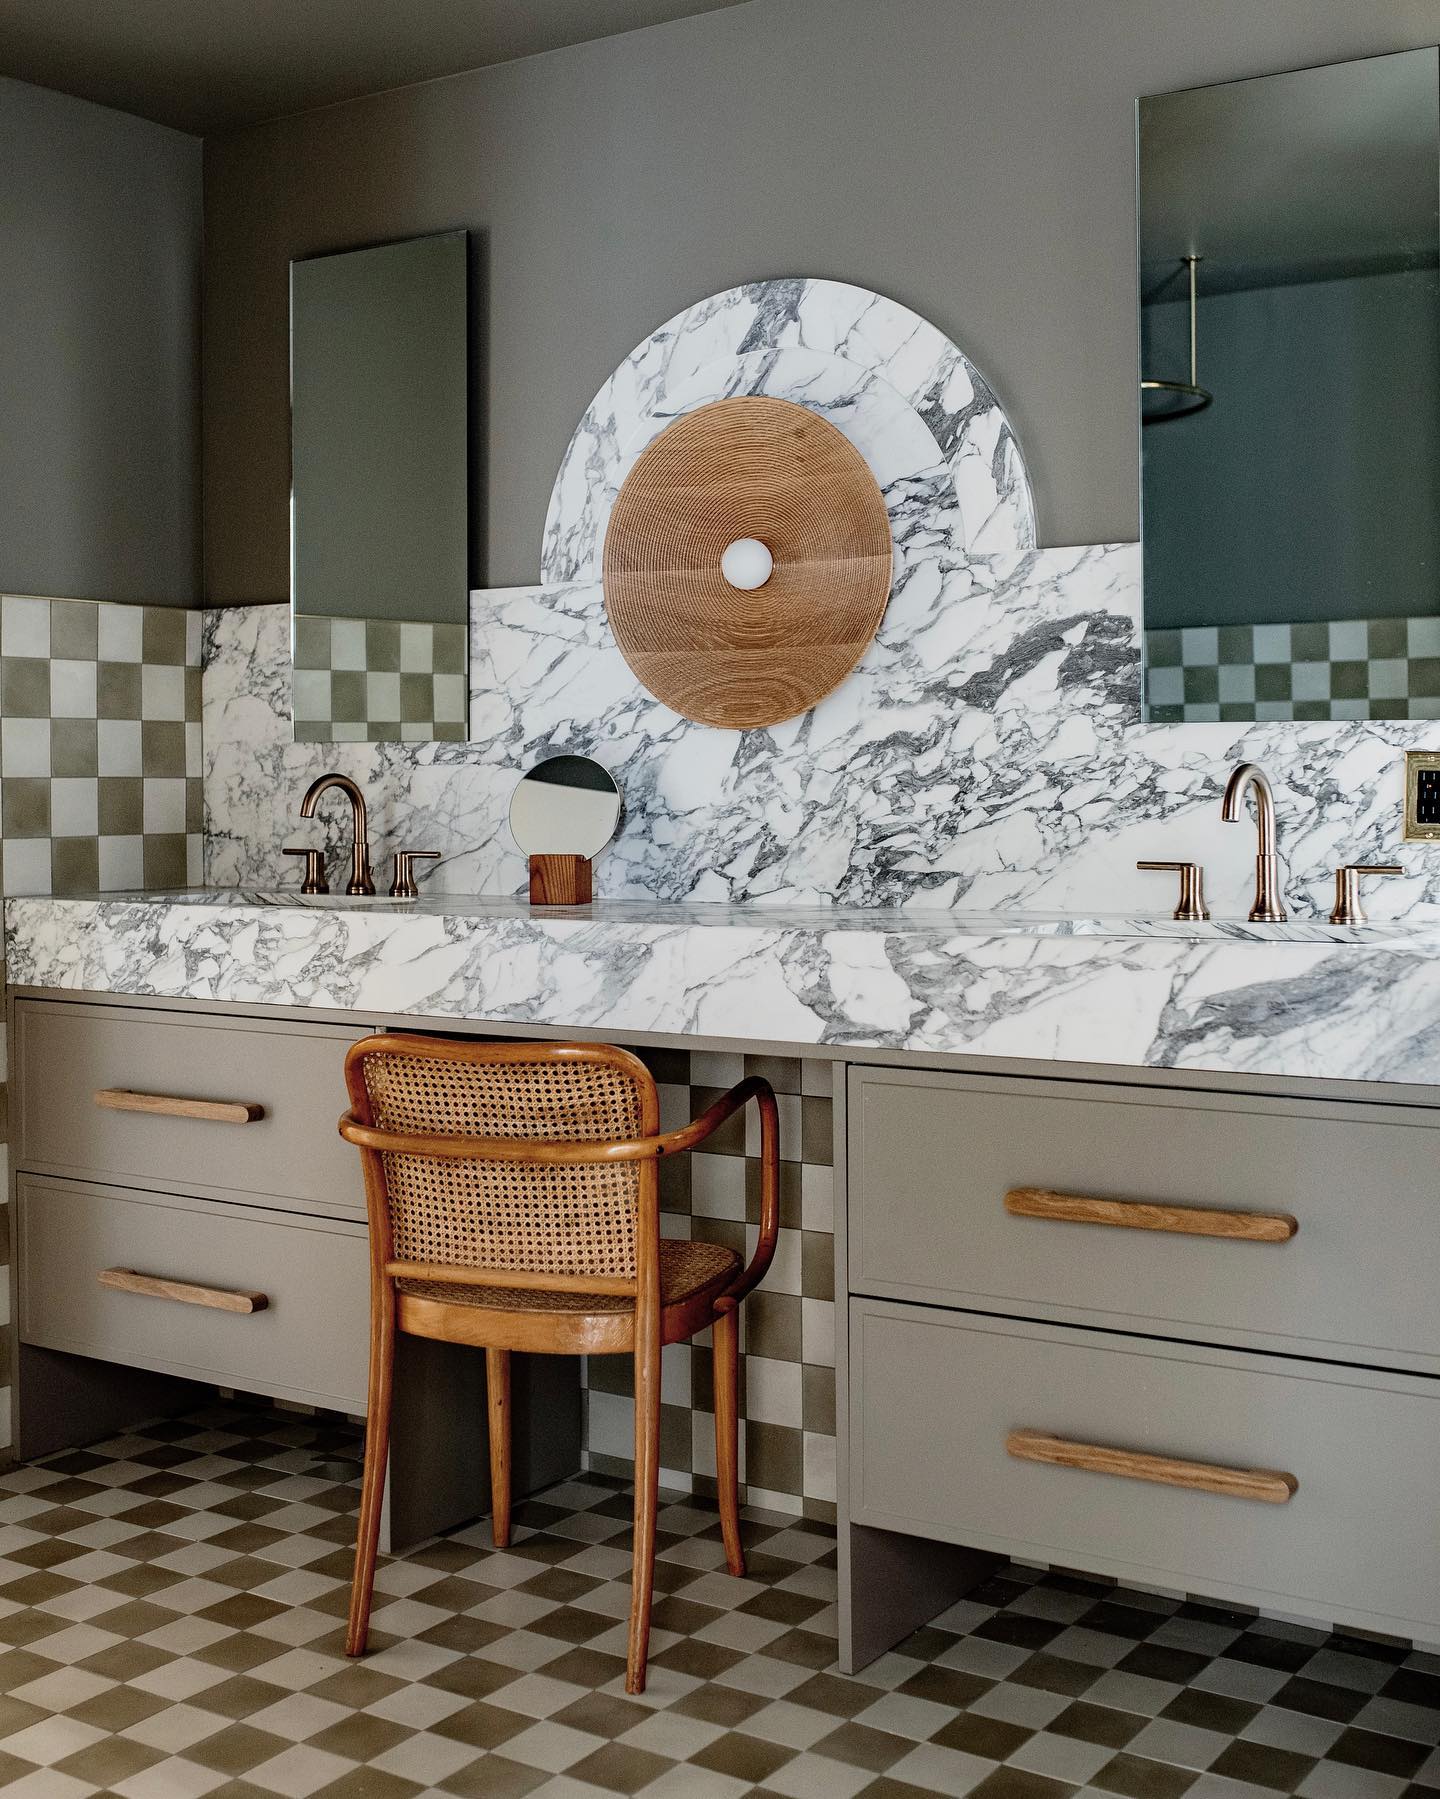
{"x": 957, "y": 1323}
{"x": 291, "y": 1156}
{"x": 934, "y": 1155}
{"x": 1316, "y": 1356}
{"x": 273, "y": 1206}
{"x": 309, "y": 1343}
{"x": 939, "y": 1392}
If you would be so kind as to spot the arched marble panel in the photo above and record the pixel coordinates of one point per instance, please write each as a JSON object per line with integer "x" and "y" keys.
{"x": 825, "y": 344}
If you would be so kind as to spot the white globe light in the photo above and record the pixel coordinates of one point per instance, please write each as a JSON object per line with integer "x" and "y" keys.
{"x": 747, "y": 563}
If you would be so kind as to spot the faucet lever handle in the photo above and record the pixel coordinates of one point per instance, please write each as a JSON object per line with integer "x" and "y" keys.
{"x": 402, "y": 886}
{"x": 1347, "y": 909}
{"x": 314, "y": 881}
{"x": 1192, "y": 888}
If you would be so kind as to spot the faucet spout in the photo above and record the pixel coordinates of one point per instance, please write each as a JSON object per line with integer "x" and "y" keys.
{"x": 1268, "y": 907}
{"x": 361, "y": 880}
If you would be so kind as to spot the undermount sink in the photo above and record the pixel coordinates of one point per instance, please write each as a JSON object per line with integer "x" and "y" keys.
{"x": 265, "y": 896}
{"x": 936, "y": 924}
{"x": 343, "y": 902}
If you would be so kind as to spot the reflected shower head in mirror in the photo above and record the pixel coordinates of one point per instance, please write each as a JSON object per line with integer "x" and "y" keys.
{"x": 563, "y": 812}
{"x": 1161, "y": 401}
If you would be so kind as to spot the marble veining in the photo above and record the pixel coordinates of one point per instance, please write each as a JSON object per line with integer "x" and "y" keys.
{"x": 986, "y": 754}
{"x": 1040, "y": 791}
{"x": 1363, "y": 1009}
{"x": 704, "y": 915}
{"x": 743, "y": 341}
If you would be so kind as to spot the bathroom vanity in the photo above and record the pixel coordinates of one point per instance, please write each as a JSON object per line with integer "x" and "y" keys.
{"x": 1113, "y": 1198}
{"x": 184, "y": 1206}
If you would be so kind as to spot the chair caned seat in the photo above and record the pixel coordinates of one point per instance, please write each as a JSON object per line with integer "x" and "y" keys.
{"x": 686, "y": 1268}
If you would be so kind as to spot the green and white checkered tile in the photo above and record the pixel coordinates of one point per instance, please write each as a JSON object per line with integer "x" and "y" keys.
{"x": 787, "y": 1370}
{"x": 373, "y": 680}
{"x": 171, "y": 1623}
{"x": 100, "y": 756}
{"x": 1337, "y": 669}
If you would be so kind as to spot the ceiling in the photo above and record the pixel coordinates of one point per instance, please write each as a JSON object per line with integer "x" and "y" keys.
{"x": 1295, "y": 177}
{"x": 211, "y": 65}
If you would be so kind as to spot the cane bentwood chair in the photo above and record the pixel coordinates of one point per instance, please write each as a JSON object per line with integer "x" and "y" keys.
{"x": 513, "y": 1203}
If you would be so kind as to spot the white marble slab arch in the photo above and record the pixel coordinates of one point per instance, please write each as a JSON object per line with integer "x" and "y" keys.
{"x": 771, "y": 337}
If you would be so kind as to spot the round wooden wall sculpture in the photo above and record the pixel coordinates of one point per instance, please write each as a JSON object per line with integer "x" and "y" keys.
{"x": 754, "y": 468}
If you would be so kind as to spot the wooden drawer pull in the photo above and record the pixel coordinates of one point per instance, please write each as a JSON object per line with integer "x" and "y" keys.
{"x": 215, "y": 1111}
{"x": 155, "y": 1286}
{"x": 1141, "y": 1215}
{"x": 1268, "y": 1484}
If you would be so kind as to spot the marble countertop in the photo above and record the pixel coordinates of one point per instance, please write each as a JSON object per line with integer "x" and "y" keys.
{"x": 1301, "y": 999}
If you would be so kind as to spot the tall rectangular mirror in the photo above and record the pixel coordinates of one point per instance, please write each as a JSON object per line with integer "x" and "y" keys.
{"x": 380, "y": 490}
{"x": 1289, "y": 259}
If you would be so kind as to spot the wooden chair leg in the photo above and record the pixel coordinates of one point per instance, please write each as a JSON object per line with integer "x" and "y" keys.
{"x": 647, "y": 1481}
{"x": 372, "y": 1483}
{"x": 727, "y": 1434}
{"x": 497, "y": 1397}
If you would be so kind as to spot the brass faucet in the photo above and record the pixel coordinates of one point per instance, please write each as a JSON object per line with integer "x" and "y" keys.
{"x": 1268, "y": 907}
{"x": 361, "y": 880}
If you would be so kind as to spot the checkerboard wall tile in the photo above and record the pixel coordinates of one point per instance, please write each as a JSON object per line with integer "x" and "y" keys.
{"x": 374, "y": 680}
{"x": 100, "y": 763}
{"x": 1340, "y": 669}
{"x": 787, "y": 1370}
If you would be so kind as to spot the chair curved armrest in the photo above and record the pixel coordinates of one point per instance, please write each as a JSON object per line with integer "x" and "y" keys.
{"x": 753, "y": 1087}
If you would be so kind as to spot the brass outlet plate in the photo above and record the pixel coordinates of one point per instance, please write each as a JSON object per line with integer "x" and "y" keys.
{"x": 1422, "y": 797}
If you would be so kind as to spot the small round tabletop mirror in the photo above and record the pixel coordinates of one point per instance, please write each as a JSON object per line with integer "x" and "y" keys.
{"x": 565, "y": 806}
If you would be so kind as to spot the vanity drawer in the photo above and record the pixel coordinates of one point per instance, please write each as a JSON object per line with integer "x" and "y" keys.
{"x": 309, "y": 1342}
{"x": 933, "y": 1156}
{"x": 66, "y": 1052}
{"x": 935, "y": 1397}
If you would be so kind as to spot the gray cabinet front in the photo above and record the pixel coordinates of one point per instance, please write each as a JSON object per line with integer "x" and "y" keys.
{"x": 308, "y": 1343}
{"x": 935, "y": 1395}
{"x": 932, "y": 1156}
{"x": 291, "y": 1155}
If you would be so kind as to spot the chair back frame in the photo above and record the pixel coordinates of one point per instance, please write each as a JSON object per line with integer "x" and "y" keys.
{"x": 374, "y": 1143}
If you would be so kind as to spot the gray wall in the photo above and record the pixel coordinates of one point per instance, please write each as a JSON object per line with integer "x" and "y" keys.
{"x": 100, "y": 239}
{"x": 1308, "y": 489}
{"x": 974, "y": 159}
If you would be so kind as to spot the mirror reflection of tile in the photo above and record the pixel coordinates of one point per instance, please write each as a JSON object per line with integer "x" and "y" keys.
{"x": 1354, "y": 668}
{"x": 1289, "y": 274}
{"x": 371, "y": 680}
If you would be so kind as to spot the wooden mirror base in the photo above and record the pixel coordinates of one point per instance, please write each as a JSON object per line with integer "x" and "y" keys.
{"x": 559, "y": 880}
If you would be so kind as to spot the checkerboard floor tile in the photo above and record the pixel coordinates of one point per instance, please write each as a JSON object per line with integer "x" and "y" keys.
{"x": 171, "y": 1607}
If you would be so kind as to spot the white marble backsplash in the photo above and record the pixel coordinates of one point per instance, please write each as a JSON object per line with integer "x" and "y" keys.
{"x": 986, "y": 753}
{"x": 1014, "y": 774}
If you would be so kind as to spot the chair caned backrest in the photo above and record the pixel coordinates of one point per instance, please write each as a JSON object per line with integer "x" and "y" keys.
{"x": 534, "y": 1217}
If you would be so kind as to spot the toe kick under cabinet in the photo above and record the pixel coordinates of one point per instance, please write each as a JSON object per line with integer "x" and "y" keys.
{"x": 1185, "y": 1338}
